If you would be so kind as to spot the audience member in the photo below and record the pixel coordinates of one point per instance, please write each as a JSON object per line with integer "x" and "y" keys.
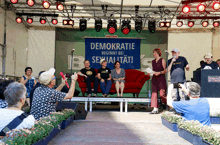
{"x": 218, "y": 62}
{"x": 104, "y": 75}
{"x": 59, "y": 88}
{"x": 201, "y": 62}
{"x": 13, "y": 117}
{"x": 118, "y": 75}
{"x": 176, "y": 67}
{"x": 209, "y": 64}
{"x": 158, "y": 80}
{"x": 29, "y": 82}
{"x": 196, "y": 108}
{"x": 3, "y": 84}
{"x": 90, "y": 75}
{"x": 45, "y": 98}
{"x": 33, "y": 89}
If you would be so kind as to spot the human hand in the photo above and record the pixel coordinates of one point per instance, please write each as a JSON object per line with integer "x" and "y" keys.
{"x": 187, "y": 67}
{"x": 74, "y": 77}
{"x": 183, "y": 88}
{"x": 102, "y": 80}
{"x": 85, "y": 76}
{"x": 174, "y": 59}
{"x": 63, "y": 80}
{"x": 109, "y": 79}
{"x": 157, "y": 73}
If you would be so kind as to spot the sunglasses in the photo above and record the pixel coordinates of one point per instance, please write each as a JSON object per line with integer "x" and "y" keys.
{"x": 54, "y": 78}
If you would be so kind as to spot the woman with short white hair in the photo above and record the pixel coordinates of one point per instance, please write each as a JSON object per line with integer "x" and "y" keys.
{"x": 15, "y": 96}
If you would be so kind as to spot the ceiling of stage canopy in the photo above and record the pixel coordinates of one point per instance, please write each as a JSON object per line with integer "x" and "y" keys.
{"x": 145, "y": 10}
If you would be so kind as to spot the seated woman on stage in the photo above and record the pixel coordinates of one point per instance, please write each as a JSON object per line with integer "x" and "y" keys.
{"x": 118, "y": 75}
{"x": 15, "y": 96}
{"x": 158, "y": 80}
{"x": 104, "y": 75}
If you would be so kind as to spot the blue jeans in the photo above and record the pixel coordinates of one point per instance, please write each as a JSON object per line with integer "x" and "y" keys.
{"x": 106, "y": 86}
{"x": 88, "y": 84}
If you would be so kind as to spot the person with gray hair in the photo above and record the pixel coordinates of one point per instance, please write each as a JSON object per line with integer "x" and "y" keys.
{"x": 15, "y": 96}
{"x": 194, "y": 109}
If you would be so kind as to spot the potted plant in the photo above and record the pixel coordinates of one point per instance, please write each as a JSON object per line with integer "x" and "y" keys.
{"x": 186, "y": 129}
{"x": 28, "y": 136}
{"x": 170, "y": 120}
{"x": 215, "y": 118}
{"x": 42, "y": 132}
{"x": 198, "y": 134}
{"x": 209, "y": 135}
{"x": 69, "y": 117}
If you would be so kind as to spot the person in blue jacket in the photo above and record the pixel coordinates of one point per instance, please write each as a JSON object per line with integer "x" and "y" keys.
{"x": 194, "y": 109}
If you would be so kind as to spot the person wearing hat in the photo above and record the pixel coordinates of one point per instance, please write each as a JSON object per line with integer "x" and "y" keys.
{"x": 209, "y": 64}
{"x": 45, "y": 97}
{"x": 194, "y": 109}
{"x": 104, "y": 75}
{"x": 90, "y": 76}
{"x": 176, "y": 66}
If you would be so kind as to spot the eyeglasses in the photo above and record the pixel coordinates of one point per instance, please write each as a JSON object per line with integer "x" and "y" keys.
{"x": 54, "y": 78}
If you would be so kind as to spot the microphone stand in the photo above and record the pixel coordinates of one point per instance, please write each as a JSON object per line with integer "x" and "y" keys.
{"x": 71, "y": 66}
{"x": 167, "y": 54}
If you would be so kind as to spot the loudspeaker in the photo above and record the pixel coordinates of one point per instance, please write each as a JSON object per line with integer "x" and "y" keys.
{"x": 81, "y": 113}
{"x": 66, "y": 90}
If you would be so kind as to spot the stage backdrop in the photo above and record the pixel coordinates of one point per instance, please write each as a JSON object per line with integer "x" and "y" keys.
{"x": 126, "y": 51}
{"x": 69, "y": 38}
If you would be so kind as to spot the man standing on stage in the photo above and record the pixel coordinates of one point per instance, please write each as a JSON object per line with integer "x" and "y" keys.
{"x": 176, "y": 67}
{"x": 90, "y": 76}
{"x": 209, "y": 64}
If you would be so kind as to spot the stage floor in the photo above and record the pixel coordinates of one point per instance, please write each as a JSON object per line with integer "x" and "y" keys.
{"x": 111, "y": 128}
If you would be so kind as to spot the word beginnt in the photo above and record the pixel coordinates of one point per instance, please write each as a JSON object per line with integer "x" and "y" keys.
{"x": 113, "y": 46}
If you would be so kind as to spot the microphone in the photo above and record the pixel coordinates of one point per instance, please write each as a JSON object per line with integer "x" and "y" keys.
{"x": 62, "y": 75}
{"x": 174, "y": 57}
{"x": 72, "y": 50}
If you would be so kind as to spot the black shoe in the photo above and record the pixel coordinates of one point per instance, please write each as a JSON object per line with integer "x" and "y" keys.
{"x": 154, "y": 112}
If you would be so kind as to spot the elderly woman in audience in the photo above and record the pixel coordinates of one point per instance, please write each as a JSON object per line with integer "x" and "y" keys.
{"x": 15, "y": 96}
{"x": 29, "y": 82}
{"x": 45, "y": 97}
{"x": 118, "y": 75}
{"x": 3, "y": 84}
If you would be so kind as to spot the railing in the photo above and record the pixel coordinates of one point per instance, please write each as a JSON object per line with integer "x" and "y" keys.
{"x": 16, "y": 78}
